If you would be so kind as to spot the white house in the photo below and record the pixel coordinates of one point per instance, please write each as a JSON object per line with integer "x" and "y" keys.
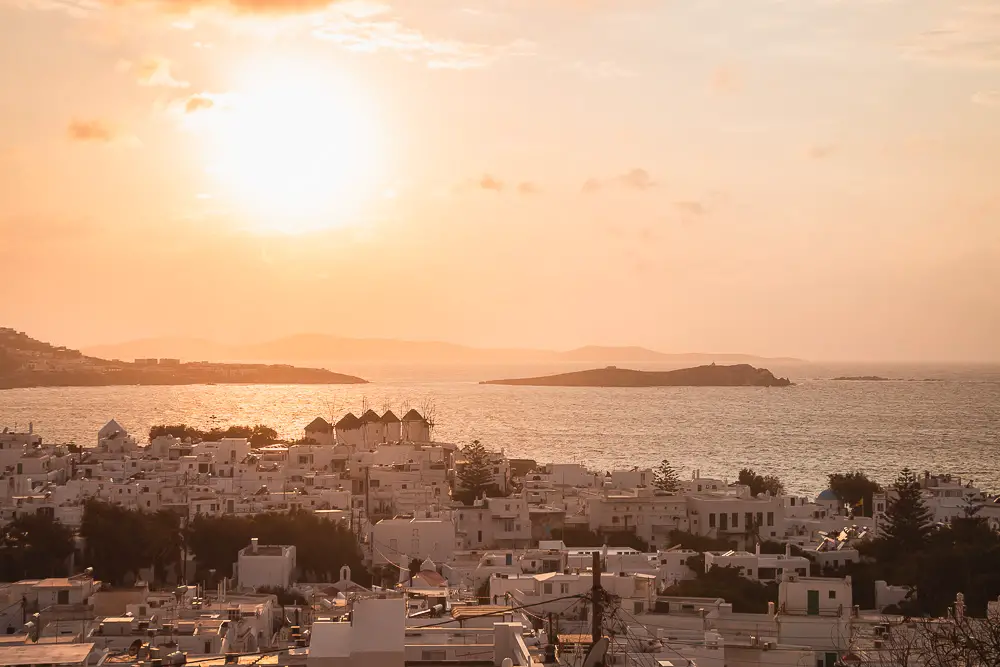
{"x": 375, "y": 636}
{"x": 757, "y": 566}
{"x": 814, "y": 596}
{"x": 419, "y": 538}
{"x": 265, "y": 565}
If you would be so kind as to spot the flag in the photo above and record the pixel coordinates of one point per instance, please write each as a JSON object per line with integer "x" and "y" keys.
{"x": 860, "y": 503}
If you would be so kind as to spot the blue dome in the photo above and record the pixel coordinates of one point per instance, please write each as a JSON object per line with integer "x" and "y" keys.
{"x": 827, "y": 495}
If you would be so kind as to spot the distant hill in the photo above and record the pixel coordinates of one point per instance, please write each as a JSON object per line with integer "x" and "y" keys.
{"x": 327, "y": 349}
{"x": 739, "y": 375}
{"x": 26, "y": 362}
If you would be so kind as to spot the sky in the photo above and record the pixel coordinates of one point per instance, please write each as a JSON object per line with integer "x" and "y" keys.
{"x": 810, "y": 178}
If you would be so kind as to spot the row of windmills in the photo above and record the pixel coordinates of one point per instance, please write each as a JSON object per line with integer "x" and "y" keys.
{"x": 370, "y": 429}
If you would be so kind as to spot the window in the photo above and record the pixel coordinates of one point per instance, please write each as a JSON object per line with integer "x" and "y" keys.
{"x": 723, "y": 521}
{"x": 564, "y": 589}
{"x": 208, "y": 647}
{"x": 547, "y": 589}
{"x": 833, "y": 595}
{"x": 760, "y": 518}
{"x": 793, "y": 501}
{"x": 770, "y": 518}
{"x": 614, "y": 519}
{"x": 62, "y": 597}
{"x": 736, "y": 519}
{"x": 636, "y": 607}
{"x": 699, "y": 488}
{"x": 748, "y": 519}
{"x": 711, "y": 521}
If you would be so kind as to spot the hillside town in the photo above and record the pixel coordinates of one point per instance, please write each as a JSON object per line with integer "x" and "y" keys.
{"x": 455, "y": 555}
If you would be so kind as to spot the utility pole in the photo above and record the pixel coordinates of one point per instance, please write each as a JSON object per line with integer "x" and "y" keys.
{"x": 597, "y": 593}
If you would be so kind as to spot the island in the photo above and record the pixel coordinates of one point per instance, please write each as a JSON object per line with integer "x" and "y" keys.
{"x": 26, "y": 362}
{"x": 862, "y": 378}
{"x": 738, "y": 375}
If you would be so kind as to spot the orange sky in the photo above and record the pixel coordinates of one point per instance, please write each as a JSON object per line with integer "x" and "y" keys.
{"x": 814, "y": 178}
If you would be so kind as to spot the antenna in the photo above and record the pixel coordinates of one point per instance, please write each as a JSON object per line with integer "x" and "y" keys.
{"x": 595, "y": 656}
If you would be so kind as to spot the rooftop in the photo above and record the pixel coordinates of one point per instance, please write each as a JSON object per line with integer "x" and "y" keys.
{"x": 44, "y": 654}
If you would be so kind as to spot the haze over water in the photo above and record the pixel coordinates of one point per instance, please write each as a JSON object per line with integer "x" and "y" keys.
{"x": 800, "y": 433}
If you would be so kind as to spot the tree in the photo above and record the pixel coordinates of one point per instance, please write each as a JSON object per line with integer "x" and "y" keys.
{"x": 475, "y": 475}
{"x": 907, "y": 519}
{"x": 34, "y": 546}
{"x": 855, "y": 487}
{"x": 665, "y": 478}
{"x": 262, "y": 436}
{"x": 759, "y": 484}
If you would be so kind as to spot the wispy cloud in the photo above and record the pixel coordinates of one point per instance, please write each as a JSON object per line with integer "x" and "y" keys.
{"x": 970, "y": 37}
{"x": 634, "y": 179}
{"x": 152, "y": 72}
{"x": 91, "y": 130}
{"x": 820, "y": 151}
{"x": 198, "y": 103}
{"x": 604, "y": 69}
{"x": 987, "y": 98}
{"x": 726, "y": 79}
{"x": 488, "y": 182}
{"x": 693, "y": 208}
{"x": 373, "y": 28}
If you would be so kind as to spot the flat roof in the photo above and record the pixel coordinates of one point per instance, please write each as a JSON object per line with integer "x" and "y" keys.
{"x": 39, "y": 654}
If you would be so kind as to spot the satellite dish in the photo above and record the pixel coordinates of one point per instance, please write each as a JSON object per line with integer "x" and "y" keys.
{"x": 133, "y": 649}
{"x": 595, "y": 656}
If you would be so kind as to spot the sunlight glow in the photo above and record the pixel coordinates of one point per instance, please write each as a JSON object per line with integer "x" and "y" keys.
{"x": 295, "y": 152}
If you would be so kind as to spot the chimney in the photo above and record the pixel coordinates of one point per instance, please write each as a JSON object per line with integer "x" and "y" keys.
{"x": 757, "y": 550}
{"x": 253, "y": 545}
{"x": 788, "y": 549}
{"x": 770, "y": 608}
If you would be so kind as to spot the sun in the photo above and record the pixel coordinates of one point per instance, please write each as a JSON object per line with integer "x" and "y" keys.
{"x": 297, "y": 150}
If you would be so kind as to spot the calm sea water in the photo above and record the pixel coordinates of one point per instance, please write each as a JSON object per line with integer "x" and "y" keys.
{"x": 800, "y": 433}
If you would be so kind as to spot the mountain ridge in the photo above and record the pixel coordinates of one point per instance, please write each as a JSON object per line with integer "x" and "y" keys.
{"x": 313, "y": 347}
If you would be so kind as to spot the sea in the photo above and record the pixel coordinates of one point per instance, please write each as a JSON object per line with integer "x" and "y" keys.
{"x": 939, "y": 418}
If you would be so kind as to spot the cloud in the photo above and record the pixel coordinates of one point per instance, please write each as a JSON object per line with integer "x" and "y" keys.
{"x": 528, "y": 188}
{"x": 487, "y": 182}
{"x": 820, "y": 151}
{"x": 726, "y": 80}
{"x": 604, "y": 69}
{"x": 91, "y": 130}
{"x": 970, "y": 37}
{"x": 198, "y": 103}
{"x": 155, "y": 72}
{"x": 693, "y": 208}
{"x": 987, "y": 98}
{"x": 372, "y": 28}
{"x": 636, "y": 179}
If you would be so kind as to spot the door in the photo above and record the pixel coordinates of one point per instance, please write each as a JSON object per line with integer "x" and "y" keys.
{"x": 812, "y": 603}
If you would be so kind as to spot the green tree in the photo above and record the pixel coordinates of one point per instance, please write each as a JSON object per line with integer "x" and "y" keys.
{"x": 907, "y": 519}
{"x": 115, "y": 541}
{"x": 760, "y": 484}
{"x": 263, "y": 435}
{"x": 746, "y": 596}
{"x": 665, "y": 478}
{"x": 34, "y": 546}
{"x": 475, "y": 474}
{"x": 855, "y": 487}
